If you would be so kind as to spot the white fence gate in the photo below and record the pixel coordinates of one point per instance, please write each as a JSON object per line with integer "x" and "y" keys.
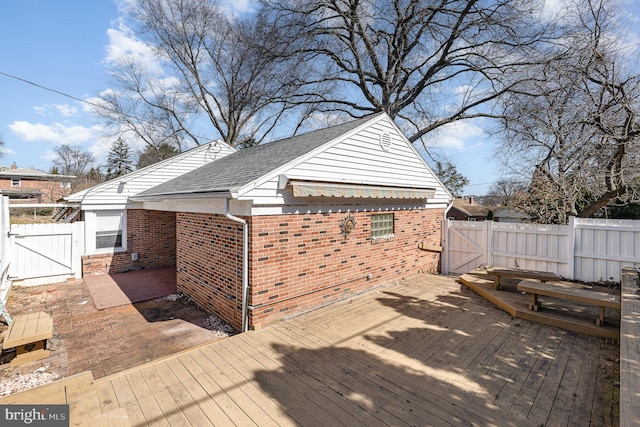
{"x": 37, "y": 254}
{"x": 586, "y": 249}
{"x": 45, "y": 253}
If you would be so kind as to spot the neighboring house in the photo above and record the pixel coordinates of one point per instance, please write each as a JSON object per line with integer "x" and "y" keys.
{"x": 468, "y": 210}
{"x": 32, "y": 186}
{"x": 511, "y": 215}
{"x": 277, "y": 229}
{"x": 111, "y": 236}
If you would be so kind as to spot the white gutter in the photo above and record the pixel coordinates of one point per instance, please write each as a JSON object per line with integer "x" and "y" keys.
{"x": 245, "y": 263}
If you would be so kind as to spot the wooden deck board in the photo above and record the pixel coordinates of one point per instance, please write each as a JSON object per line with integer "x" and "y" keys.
{"x": 238, "y": 384}
{"x": 566, "y": 406}
{"x": 384, "y": 402}
{"x": 215, "y": 394}
{"x": 127, "y": 400}
{"x": 528, "y": 352}
{"x": 422, "y": 352}
{"x": 531, "y": 386}
{"x": 189, "y": 406}
{"x": 425, "y": 392}
{"x": 330, "y": 397}
{"x": 198, "y": 394}
{"x": 338, "y": 381}
{"x": 550, "y": 387}
{"x": 146, "y": 398}
{"x": 304, "y": 404}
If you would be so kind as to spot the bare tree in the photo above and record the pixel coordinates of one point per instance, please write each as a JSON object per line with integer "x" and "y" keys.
{"x": 73, "y": 160}
{"x": 580, "y": 135}
{"x": 507, "y": 192}
{"x": 218, "y": 77}
{"x": 425, "y": 63}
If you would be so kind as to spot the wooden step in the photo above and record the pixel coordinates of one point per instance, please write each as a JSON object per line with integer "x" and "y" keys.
{"x": 54, "y": 393}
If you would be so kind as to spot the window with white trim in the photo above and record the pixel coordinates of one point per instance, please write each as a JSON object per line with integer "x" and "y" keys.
{"x": 382, "y": 226}
{"x": 15, "y": 182}
{"x": 109, "y": 226}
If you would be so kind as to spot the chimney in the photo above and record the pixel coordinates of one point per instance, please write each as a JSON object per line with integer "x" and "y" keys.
{"x": 470, "y": 200}
{"x": 13, "y": 166}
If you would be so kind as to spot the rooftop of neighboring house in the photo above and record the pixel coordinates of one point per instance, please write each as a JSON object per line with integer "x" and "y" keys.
{"x": 15, "y": 172}
{"x": 471, "y": 208}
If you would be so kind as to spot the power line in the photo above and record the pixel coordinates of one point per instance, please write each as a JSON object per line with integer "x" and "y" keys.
{"x": 75, "y": 98}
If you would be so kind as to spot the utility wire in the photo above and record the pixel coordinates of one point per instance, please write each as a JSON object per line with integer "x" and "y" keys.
{"x": 49, "y": 89}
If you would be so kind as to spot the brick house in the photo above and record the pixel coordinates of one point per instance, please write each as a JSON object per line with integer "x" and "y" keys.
{"x": 278, "y": 229}
{"x": 34, "y": 186}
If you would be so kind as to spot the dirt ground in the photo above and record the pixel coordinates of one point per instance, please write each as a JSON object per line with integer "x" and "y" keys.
{"x": 106, "y": 341}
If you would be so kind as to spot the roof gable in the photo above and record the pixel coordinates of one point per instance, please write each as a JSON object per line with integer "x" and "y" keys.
{"x": 118, "y": 190}
{"x": 246, "y": 166}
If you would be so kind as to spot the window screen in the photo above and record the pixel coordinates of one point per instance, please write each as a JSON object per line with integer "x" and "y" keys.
{"x": 382, "y": 225}
{"x": 109, "y": 229}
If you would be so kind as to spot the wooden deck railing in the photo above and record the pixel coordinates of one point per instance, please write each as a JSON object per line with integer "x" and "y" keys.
{"x": 630, "y": 349}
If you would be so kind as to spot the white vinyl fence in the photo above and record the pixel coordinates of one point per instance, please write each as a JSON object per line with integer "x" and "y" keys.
{"x": 38, "y": 254}
{"x": 587, "y": 249}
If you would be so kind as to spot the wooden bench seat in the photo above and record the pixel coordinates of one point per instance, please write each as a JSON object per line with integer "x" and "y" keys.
{"x": 587, "y": 296}
{"x": 499, "y": 272}
{"x": 28, "y": 333}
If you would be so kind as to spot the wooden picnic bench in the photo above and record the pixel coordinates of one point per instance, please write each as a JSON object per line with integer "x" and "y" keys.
{"x": 499, "y": 272}
{"x": 587, "y": 296}
{"x": 28, "y": 334}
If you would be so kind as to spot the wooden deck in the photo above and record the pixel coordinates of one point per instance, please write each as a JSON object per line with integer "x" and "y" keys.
{"x": 421, "y": 352}
{"x": 560, "y": 313}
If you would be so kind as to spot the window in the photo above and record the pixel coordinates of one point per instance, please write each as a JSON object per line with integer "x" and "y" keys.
{"x": 65, "y": 185}
{"x": 109, "y": 225}
{"x": 15, "y": 182}
{"x": 382, "y": 226}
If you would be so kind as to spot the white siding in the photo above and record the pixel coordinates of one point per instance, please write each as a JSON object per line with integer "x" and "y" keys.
{"x": 115, "y": 193}
{"x": 357, "y": 158}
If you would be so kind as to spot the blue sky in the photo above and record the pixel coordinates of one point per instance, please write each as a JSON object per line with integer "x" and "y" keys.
{"x": 66, "y": 45}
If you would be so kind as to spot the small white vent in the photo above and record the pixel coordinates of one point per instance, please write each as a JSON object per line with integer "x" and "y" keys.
{"x": 385, "y": 141}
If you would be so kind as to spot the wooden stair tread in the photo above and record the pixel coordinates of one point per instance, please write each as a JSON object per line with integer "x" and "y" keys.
{"x": 28, "y": 328}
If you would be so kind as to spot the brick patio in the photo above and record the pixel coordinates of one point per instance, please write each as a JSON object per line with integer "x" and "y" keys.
{"x": 107, "y": 341}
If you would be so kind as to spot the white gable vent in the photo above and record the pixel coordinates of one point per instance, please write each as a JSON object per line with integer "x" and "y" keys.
{"x": 385, "y": 141}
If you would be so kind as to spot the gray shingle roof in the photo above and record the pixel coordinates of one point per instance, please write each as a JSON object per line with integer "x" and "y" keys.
{"x": 244, "y": 166}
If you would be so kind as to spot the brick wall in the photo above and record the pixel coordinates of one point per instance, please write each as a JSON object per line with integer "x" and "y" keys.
{"x": 52, "y": 191}
{"x": 301, "y": 255}
{"x": 209, "y": 263}
{"x": 151, "y": 234}
{"x": 296, "y": 262}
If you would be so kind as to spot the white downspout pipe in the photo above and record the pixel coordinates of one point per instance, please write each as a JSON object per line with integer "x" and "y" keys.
{"x": 245, "y": 263}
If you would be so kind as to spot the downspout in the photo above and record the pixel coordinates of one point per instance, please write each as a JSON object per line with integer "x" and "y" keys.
{"x": 245, "y": 263}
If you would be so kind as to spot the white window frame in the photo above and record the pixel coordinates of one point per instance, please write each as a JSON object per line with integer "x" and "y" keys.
{"x": 16, "y": 182}
{"x": 93, "y": 227}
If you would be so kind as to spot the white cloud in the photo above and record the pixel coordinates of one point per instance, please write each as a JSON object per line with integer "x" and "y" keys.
{"x": 459, "y": 135}
{"x": 553, "y": 9}
{"x": 124, "y": 46}
{"x": 58, "y": 133}
{"x": 64, "y": 110}
{"x": 234, "y": 7}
